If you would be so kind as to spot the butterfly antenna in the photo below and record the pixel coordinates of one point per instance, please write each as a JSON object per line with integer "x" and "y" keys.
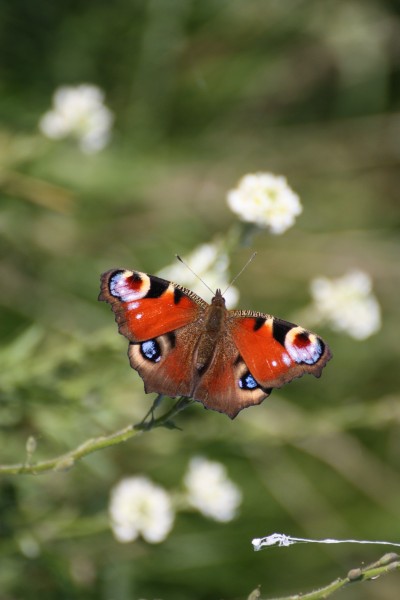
{"x": 240, "y": 272}
{"x": 195, "y": 274}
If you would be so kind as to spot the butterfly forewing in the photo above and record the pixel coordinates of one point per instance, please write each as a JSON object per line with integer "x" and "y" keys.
{"x": 277, "y": 351}
{"x": 146, "y": 306}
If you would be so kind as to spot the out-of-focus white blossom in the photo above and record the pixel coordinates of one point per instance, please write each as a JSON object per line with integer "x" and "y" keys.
{"x": 29, "y": 546}
{"x": 210, "y": 491}
{"x": 347, "y": 304}
{"x": 139, "y": 507}
{"x": 266, "y": 200}
{"x": 79, "y": 112}
{"x": 209, "y": 263}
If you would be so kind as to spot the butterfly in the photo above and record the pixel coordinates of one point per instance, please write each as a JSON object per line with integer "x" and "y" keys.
{"x": 182, "y": 346}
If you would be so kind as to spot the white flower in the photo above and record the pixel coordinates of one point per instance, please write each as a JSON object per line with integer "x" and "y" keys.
{"x": 347, "y": 304}
{"x": 139, "y": 507}
{"x": 79, "y": 112}
{"x": 266, "y": 200}
{"x": 210, "y": 264}
{"x": 210, "y": 491}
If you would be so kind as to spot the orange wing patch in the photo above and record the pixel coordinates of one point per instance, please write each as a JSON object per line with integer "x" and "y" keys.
{"x": 146, "y": 306}
{"x": 265, "y": 357}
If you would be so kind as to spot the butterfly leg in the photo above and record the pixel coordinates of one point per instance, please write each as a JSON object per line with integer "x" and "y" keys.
{"x": 146, "y": 423}
{"x": 166, "y": 419}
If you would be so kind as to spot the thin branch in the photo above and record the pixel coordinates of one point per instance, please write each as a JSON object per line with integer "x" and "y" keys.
{"x": 68, "y": 460}
{"x": 283, "y": 540}
{"x": 388, "y": 563}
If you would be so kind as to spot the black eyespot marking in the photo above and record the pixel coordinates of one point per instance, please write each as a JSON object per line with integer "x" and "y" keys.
{"x": 280, "y": 329}
{"x": 115, "y": 273}
{"x": 321, "y": 347}
{"x": 157, "y": 287}
{"x": 151, "y": 350}
{"x": 177, "y": 295}
{"x": 113, "y": 281}
{"x": 302, "y": 339}
{"x": 135, "y": 277}
{"x": 247, "y": 382}
{"x": 258, "y": 323}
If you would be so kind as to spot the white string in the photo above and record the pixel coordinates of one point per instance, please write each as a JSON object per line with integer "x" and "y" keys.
{"x": 280, "y": 539}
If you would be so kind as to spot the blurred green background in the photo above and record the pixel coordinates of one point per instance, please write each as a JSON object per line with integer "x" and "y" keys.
{"x": 202, "y": 93}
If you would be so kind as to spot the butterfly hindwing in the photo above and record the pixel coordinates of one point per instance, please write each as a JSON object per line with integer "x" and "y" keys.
{"x": 227, "y": 385}
{"x": 166, "y": 363}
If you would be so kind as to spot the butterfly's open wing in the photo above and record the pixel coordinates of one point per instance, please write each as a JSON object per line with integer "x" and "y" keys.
{"x": 276, "y": 351}
{"x": 147, "y": 306}
{"x": 155, "y": 314}
{"x": 257, "y": 353}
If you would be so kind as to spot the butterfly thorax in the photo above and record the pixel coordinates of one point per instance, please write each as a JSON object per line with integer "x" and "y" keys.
{"x": 216, "y": 312}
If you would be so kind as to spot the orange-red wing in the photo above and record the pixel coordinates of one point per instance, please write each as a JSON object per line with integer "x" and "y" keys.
{"x": 219, "y": 388}
{"x": 172, "y": 371}
{"x": 146, "y": 306}
{"x": 276, "y": 351}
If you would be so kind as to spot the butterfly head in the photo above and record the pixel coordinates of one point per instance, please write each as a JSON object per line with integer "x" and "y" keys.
{"x": 218, "y": 299}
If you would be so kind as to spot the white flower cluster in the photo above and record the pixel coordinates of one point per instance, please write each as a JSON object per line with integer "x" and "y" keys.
{"x": 347, "y": 304}
{"x": 79, "y": 112}
{"x": 209, "y": 263}
{"x": 210, "y": 491}
{"x": 266, "y": 200}
{"x": 138, "y": 507}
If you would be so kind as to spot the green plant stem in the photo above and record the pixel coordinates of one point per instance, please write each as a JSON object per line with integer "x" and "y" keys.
{"x": 387, "y": 563}
{"x": 68, "y": 460}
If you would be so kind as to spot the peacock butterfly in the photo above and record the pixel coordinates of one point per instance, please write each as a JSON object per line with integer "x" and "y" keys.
{"x": 182, "y": 346}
